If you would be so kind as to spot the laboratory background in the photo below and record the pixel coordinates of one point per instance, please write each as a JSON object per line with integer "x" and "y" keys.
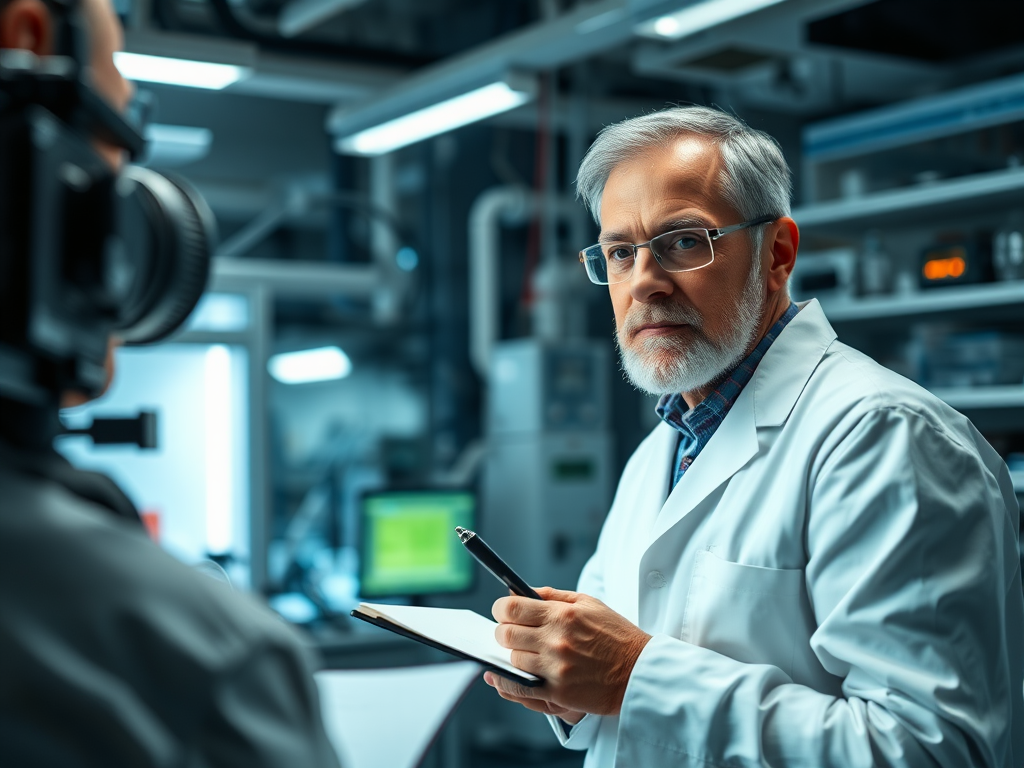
{"x": 398, "y": 336}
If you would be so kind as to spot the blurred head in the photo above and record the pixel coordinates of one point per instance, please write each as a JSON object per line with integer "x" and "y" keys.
{"x": 30, "y": 25}
{"x": 692, "y": 166}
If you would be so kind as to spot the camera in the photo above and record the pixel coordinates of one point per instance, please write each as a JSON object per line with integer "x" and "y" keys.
{"x": 86, "y": 251}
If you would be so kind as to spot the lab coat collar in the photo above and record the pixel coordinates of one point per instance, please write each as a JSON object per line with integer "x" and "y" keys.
{"x": 766, "y": 401}
{"x": 787, "y": 366}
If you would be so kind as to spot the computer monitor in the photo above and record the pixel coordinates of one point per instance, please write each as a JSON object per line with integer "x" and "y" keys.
{"x": 408, "y": 542}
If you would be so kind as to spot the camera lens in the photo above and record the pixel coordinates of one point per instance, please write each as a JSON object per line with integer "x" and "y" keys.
{"x": 157, "y": 266}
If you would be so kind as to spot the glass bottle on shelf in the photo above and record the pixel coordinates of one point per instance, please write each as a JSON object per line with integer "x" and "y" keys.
{"x": 1008, "y": 248}
{"x": 875, "y": 266}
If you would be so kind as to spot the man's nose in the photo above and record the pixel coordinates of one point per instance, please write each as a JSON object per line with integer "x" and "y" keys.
{"x": 648, "y": 279}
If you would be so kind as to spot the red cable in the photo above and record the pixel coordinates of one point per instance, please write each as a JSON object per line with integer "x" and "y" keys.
{"x": 540, "y": 160}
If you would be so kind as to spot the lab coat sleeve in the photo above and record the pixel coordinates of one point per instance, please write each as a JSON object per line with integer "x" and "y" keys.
{"x": 911, "y": 567}
{"x": 265, "y": 713}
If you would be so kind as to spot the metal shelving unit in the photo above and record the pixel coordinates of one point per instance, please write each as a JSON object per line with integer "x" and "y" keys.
{"x": 921, "y": 203}
{"x": 1005, "y": 299}
{"x": 983, "y": 398}
{"x": 859, "y": 173}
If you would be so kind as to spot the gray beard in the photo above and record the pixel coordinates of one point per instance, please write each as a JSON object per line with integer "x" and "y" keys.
{"x": 668, "y": 365}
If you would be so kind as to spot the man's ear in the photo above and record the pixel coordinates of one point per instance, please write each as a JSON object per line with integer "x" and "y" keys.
{"x": 782, "y": 239}
{"x": 27, "y": 24}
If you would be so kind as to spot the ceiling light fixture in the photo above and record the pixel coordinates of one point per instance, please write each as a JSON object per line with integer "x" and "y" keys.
{"x": 700, "y": 16}
{"x": 192, "y": 74}
{"x": 308, "y": 365}
{"x": 174, "y": 145}
{"x": 438, "y": 118}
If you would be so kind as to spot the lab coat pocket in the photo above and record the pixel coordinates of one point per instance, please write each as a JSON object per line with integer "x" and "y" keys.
{"x": 745, "y": 612}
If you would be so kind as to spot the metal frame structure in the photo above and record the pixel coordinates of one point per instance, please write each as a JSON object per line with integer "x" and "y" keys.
{"x": 260, "y": 282}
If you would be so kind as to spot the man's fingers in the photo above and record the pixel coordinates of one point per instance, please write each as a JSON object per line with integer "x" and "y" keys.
{"x": 531, "y": 613}
{"x": 537, "y": 705}
{"x": 519, "y": 610}
{"x": 518, "y": 637}
{"x": 528, "y": 662}
{"x": 509, "y": 689}
{"x": 561, "y": 595}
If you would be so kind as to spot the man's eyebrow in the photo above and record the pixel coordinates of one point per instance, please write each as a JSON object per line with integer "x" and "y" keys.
{"x": 613, "y": 237}
{"x": 686, "y": 222}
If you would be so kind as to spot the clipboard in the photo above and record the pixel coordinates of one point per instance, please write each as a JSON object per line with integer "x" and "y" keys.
{"x": 382, "y": 622}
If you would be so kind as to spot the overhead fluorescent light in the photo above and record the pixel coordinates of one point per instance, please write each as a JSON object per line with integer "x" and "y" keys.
{"x": 174, "y": 145}
{"x": 308, "y": 365}
{"x": 193, "y": 74}
{"x": 438, "y": 118}
{"x": 700, "y": 16}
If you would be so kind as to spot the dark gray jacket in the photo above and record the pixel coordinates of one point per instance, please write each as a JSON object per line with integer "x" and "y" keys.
{"x": 112, "y": 653}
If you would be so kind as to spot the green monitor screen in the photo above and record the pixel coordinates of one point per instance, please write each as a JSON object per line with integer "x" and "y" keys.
{"x": 409, "y": 546}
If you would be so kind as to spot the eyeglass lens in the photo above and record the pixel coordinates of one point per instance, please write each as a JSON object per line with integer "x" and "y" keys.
{"x": 678, "y": 251}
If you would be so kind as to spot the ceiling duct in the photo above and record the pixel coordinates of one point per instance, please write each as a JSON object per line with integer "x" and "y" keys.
{"x": 303, "y": 15}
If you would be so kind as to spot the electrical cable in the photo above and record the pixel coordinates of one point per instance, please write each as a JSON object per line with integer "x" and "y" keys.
{"x": 540, "y": 162}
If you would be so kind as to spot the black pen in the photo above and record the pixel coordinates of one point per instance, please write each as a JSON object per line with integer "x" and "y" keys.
{"x": 488, "y": 559}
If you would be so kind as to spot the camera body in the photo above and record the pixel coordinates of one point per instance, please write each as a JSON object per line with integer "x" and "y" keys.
{"x": 86, "y": 251}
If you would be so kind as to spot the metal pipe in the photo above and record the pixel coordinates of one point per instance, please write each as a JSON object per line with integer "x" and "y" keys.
{"x": 303, "y": 278}
{"x": 491, "y": 209}
{"x": 256, "y": 231}
{"x": 384, "y": 241}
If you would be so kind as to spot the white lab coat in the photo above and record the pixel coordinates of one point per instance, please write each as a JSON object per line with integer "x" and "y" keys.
{"x": 834, "y": 582}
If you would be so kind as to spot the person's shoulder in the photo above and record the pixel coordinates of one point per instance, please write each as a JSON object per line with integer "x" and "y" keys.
{"x": 108, "y": 573}
{"x": 848, "y": 377}
{"x": 836, "y": 380}
{"x": 848, "y": 387}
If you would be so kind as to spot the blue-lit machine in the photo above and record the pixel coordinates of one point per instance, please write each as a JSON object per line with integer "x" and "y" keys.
{"x": 547, "y": 477}
{"x": 546, "y": 482}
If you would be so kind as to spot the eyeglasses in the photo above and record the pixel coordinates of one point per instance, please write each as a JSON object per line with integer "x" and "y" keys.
{"x": 681, "y": 250}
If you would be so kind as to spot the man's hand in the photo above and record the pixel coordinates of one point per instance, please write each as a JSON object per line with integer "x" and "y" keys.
{"x": 520, "y": 694}
{"x": 583, "y": 649}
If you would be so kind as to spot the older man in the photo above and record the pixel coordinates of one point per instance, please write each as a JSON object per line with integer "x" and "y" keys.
{"x": 811, "y": 561}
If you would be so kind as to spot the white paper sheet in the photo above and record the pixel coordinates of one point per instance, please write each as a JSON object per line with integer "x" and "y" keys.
{"x": 460, "y": 629}
{"x": 386, "y": 718}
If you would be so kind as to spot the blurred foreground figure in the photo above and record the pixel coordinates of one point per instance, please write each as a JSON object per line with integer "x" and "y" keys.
{"x": 112, "y": 653}
{"x": 812, "y": 561}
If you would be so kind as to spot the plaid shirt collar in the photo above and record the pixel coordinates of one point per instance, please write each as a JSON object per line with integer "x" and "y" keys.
{"x": 698, "y": 424}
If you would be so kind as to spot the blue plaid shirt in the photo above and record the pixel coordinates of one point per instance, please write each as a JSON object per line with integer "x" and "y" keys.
{"x": 697, "y": 425}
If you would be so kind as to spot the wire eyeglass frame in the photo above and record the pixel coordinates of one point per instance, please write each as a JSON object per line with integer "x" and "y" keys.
{"x": 596, "y": 252}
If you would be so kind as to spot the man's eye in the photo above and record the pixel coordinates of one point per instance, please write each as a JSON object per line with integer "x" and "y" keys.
{"x": 619, "y": 253}
{"x": 685, "y": 243}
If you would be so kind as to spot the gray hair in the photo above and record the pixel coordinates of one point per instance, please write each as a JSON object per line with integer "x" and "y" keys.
{"x": 755, "y": 180}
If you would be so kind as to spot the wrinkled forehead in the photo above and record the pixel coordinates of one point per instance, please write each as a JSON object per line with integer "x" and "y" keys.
{"x": 684, "y": 173}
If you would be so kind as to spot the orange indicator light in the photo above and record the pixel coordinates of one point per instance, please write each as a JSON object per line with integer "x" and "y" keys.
{"x": 943, "y": 269}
